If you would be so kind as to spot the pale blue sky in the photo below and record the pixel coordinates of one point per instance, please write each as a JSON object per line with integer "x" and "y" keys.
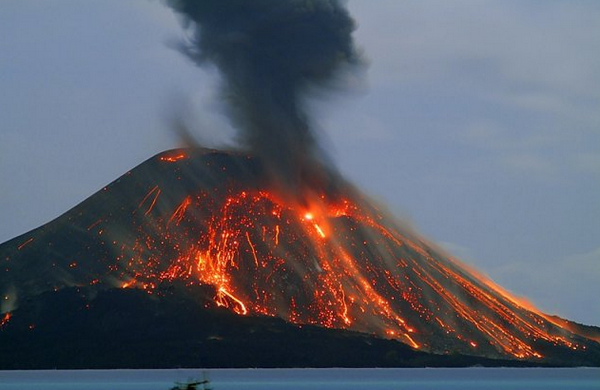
{"x": 479, "y": 123}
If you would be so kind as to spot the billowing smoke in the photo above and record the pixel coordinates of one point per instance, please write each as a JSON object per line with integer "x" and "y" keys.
{"x": 271, "y": 55}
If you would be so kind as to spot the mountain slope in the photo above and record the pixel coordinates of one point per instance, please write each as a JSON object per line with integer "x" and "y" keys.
{"x": 328, "y": 257}
{"x": 128, "y": 328}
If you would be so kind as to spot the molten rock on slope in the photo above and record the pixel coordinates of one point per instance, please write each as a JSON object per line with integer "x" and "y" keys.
{"x": 332, "y": 259}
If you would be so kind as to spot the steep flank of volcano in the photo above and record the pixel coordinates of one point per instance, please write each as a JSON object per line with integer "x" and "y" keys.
{"x": 328, "y": 258}
{"x": 124, "y": 328}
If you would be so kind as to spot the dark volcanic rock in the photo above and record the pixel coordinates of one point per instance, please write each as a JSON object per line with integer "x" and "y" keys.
{"x": 128, "y": 328}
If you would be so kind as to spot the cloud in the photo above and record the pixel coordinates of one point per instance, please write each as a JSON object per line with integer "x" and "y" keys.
{"x": 493, "y": 135}
{"x": 522, "y": 43}
{"x": 517, "y": 80}
{"x": 574, "y": 277}
{"x": 528, "y": 163}
{"x": 518, "y": 53}
{"x": 587, "y": 162}
{"x": 543, "y": 153}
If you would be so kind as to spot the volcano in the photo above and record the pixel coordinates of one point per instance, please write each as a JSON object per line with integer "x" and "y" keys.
{"x": 213, "y": 221}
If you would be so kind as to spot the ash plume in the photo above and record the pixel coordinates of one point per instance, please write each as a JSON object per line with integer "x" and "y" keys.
{"x": 271, "y": 54}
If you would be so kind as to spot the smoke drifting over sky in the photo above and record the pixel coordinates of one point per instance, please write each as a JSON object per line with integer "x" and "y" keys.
{"x": 271, "y": 54}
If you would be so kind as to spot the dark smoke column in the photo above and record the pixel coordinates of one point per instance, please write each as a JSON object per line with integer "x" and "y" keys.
{"x": 270, "y": 54}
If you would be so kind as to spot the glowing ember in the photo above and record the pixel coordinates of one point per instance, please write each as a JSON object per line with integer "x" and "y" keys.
{"x": 4, "y": 320}
{"x": 330, "y": 259}
{"x": 29, "y": 241}
{"x": 343, "y": 267}
{"x": 173, "y": 158}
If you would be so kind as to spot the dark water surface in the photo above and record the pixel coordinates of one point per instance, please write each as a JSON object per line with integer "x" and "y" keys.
{"x": 304, "y": 379}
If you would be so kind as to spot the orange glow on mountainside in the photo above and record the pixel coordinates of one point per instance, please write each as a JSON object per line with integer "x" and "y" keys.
{"x": 336, "y": 263}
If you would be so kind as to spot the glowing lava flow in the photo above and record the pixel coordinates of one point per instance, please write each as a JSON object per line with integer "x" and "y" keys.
{"x": 336, "y": 264}
{"x": 173, "y": 158}
{"x": 24, "y": 244}
{"x": 4, "y": 320}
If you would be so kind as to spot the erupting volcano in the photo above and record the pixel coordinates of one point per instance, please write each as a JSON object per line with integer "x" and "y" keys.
{"x": 270, "y": 228}
{"x": 206, "y": 217}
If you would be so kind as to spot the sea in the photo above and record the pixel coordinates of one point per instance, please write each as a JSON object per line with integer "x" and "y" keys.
{"x": 305, "y": 379}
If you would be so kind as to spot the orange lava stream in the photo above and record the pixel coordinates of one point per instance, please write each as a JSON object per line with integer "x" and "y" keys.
{"x": 4, "y": 320}
{"x": 156, "y": 191}
{"x": 174, "y": 158}
{"x": 29, "y": 241}
{"x": 180, "y": 211}
{"x": 335, "y": 265}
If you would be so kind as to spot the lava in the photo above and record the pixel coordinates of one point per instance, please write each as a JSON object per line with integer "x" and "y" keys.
{"x": 25, "y": 243}
{"x": 4, "y": 320}
{"x": 327, "y": 257}
{"x": 339, "y": 265}
{"x": 173, "y": 158}
{"x": 156, "y": 191}
{"x": 221, "y": 300}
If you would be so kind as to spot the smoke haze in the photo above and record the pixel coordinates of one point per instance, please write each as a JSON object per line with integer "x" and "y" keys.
{"x": 271, "y": 53}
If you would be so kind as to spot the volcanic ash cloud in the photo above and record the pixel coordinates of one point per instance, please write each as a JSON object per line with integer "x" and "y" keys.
{"x": 271, "y": 54}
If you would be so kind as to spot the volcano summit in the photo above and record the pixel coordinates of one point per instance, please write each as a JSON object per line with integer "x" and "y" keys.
{"x": 205, "y": 218}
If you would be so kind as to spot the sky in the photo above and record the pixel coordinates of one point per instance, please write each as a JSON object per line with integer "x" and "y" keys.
{"x": 478, "y": 123}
